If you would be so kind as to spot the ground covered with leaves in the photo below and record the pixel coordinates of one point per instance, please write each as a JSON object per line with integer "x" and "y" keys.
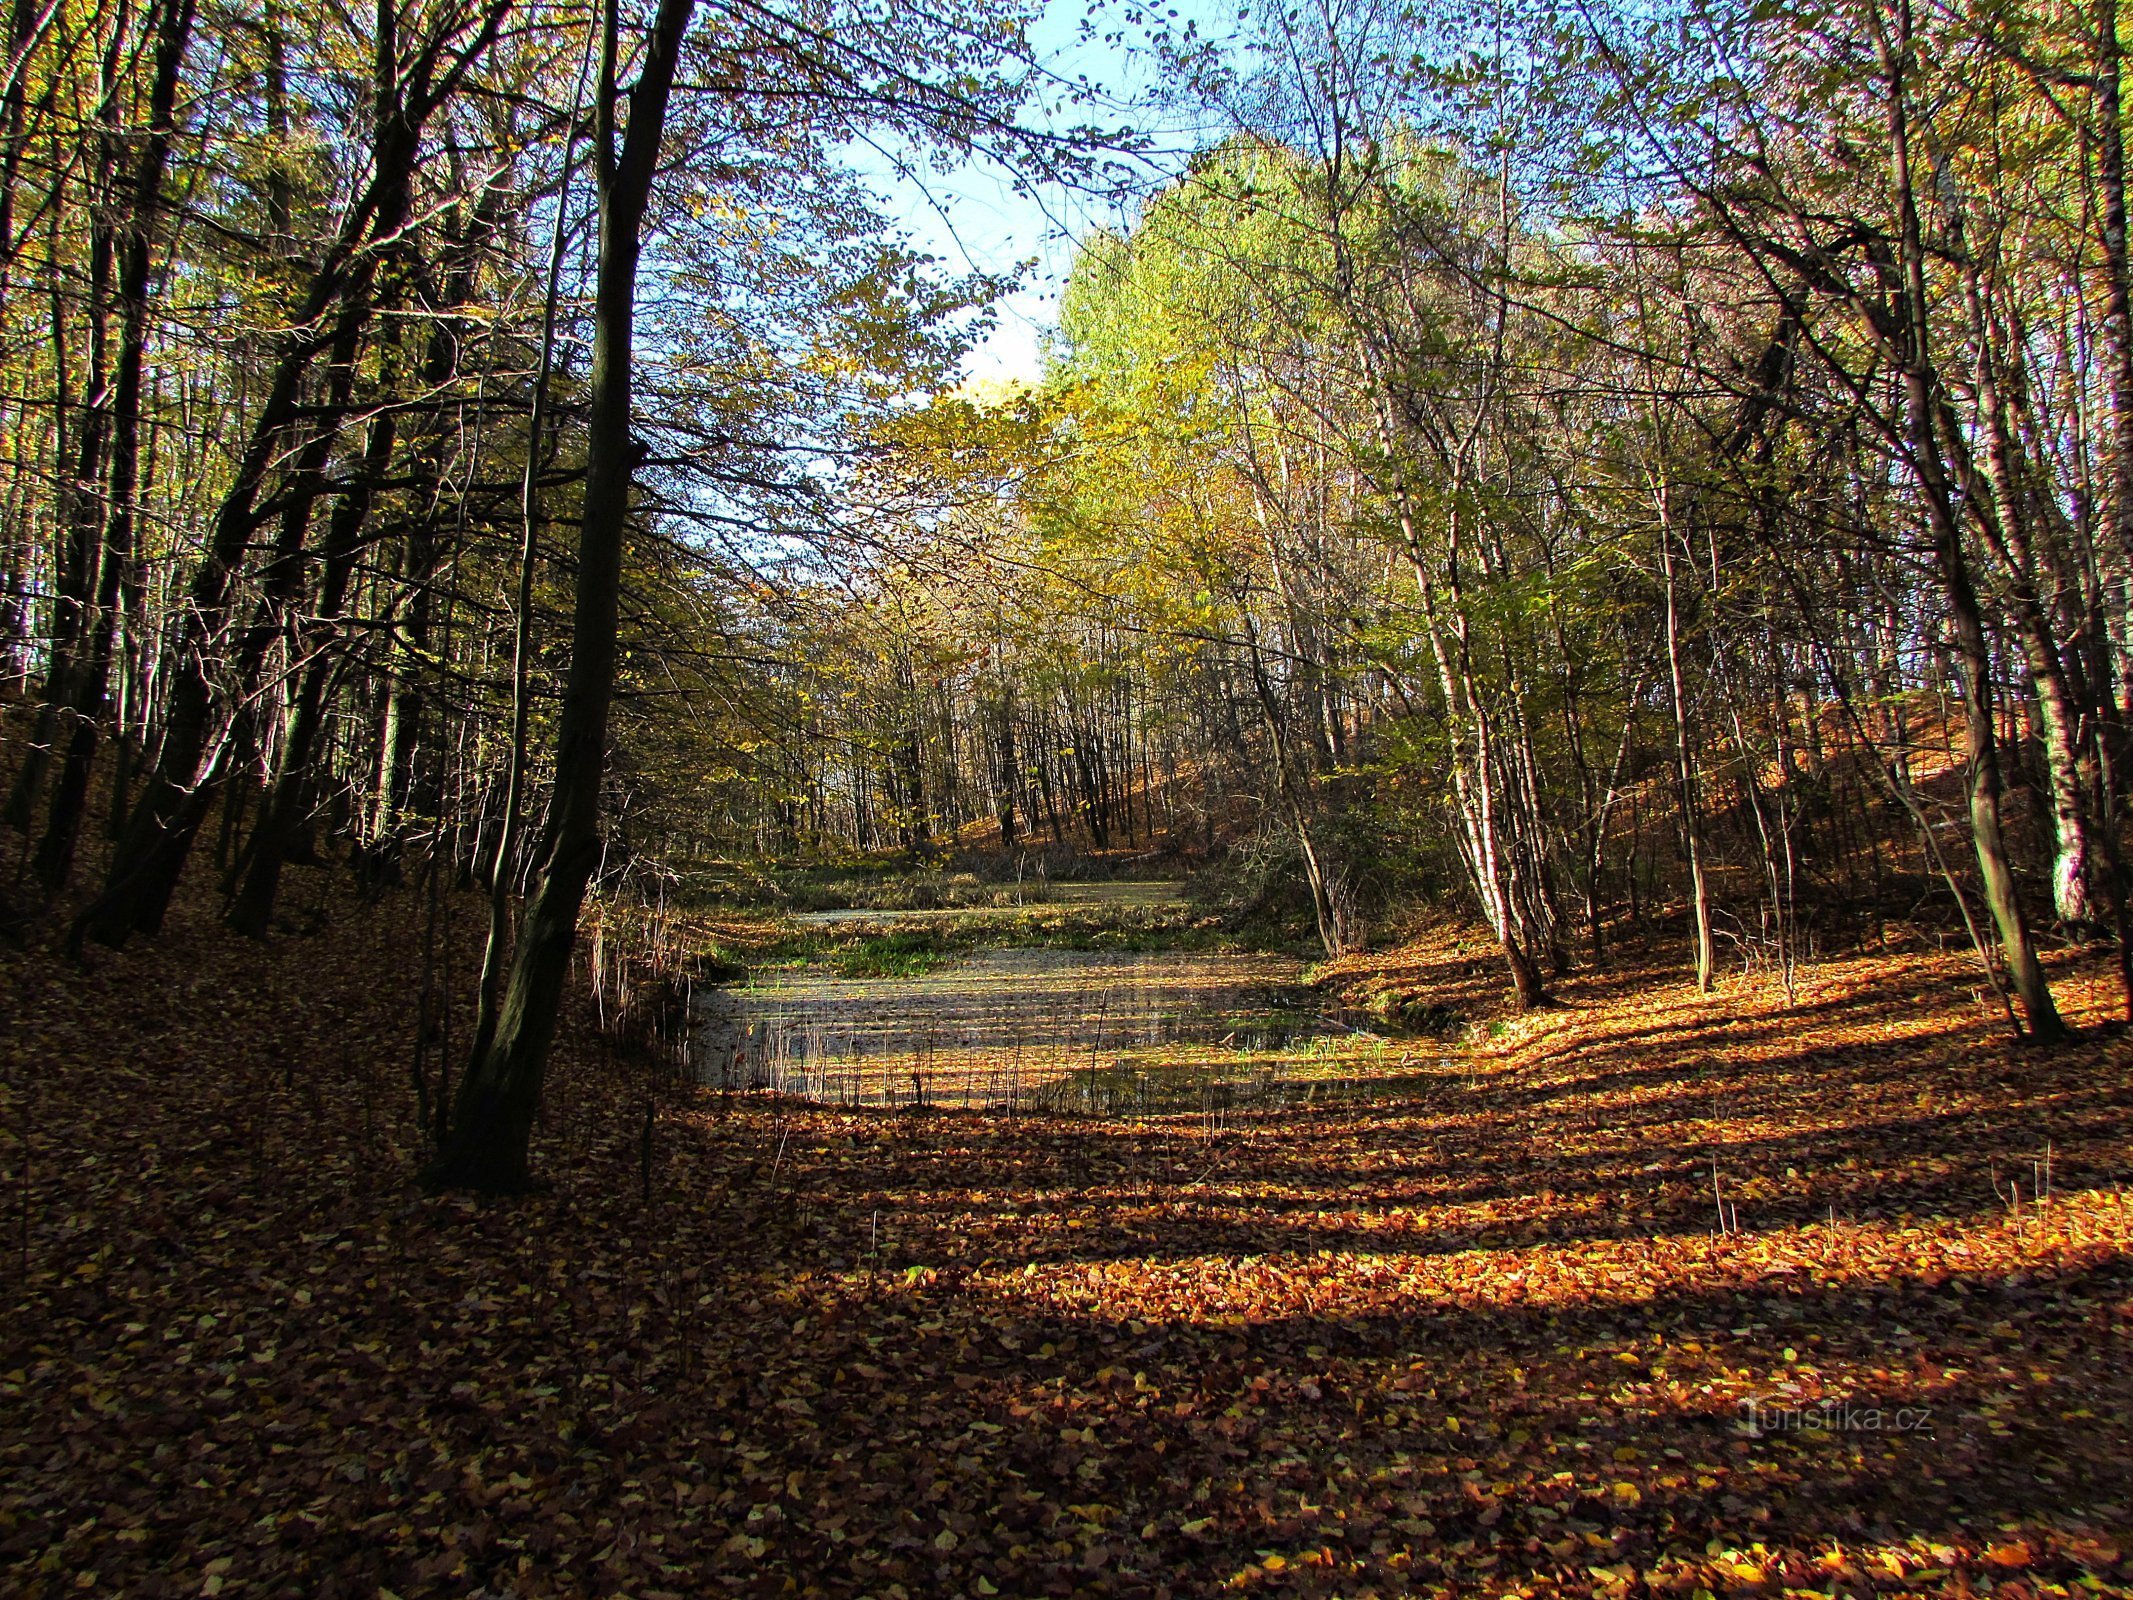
{"x": 1493, "y": 1329}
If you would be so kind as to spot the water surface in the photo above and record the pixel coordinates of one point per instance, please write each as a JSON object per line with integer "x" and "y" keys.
{"x": 1010, "y": 1027}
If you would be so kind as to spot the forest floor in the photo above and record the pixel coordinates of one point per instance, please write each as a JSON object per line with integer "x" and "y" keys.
{"x": 1486, "y": 1336}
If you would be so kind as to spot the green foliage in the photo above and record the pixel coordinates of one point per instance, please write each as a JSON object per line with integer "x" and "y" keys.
{"x": 892, "y": 955}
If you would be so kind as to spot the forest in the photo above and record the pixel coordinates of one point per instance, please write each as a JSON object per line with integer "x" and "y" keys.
{"x": 1442, "y": 911}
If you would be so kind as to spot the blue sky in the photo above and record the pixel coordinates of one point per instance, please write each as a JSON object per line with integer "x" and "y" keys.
{"x": 972, "y": 218}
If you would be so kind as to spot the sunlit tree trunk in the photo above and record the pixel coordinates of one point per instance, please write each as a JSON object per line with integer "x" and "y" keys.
{"x": 2007, "y": 538}
{"x": 1685, "y": 774}
{"x": 1985, "y": 783}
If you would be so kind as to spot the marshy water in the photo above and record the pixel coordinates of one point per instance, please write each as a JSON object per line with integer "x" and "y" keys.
{"x": 1124, "y": 895}
{"x": 1034, "y": 1029}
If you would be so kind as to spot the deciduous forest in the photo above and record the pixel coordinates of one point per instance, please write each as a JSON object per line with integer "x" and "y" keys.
{"x": 1444, "y": 911}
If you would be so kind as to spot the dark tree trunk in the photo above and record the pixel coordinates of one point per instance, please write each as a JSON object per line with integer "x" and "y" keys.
{"x": 492, "y": 1115}
{"x": 80, "y": 501}
{"x": 70, "y": 795}
{"x": 289, "y": 792}
{"x": 1007, "y": 781}
{"x": 161, "y": 827}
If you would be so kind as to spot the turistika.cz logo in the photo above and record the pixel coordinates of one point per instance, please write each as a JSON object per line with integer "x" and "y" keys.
{"x": 1768, "y": 1414}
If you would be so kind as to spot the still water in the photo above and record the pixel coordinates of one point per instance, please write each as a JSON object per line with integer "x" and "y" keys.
{"x": 1068, "y": 1029}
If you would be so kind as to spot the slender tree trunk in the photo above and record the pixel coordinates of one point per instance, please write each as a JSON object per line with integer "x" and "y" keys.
{"x": 1474, "y": 776}
{"x": 1006, "y": 782}
{"x": 2118, "y": 273}
{"x": 1920, "y": 384}
{"x": 496, "y": 946}
{"x": 1685, "y": 755}
{"x": 2004, "y": 521}
{"x": 1318, "y": 872}
{"x": 80, "y": 506}
{"x": 289, "y": 791}
{"x": 161, "y": 827}
{"x": 492, "y": 1119}
{"x": 70, "y": 795}
{"x": 2111, "y": 737}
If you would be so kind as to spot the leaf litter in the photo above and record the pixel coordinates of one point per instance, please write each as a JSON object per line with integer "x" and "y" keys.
{"x": 1497, "y": 1331}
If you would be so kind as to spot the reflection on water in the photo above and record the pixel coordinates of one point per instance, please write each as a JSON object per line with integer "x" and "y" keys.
{"x": 1066, "y": 1029}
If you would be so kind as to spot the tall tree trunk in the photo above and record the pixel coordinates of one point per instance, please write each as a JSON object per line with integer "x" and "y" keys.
{"x": 1326, "y": 908}
{"x": 1474, "y": 774}
{"x": 496, "y": 945}
{"x": 492, "y": 1118}
{"x": 2007, "y": 537}
{"x": 70, "y": 795}
{"x": 2112, "y": 738}
{"x": 80, "y": 504}
{"x": 2118, "y": 272}
{"x": 1685, "y": 753}
{"x": 289, "y": 791}
{"x": 161, "y": 827}
{"x": 1007, "y": 780}
{"x": 1920, "y": 386}
{"x": 400, "y": 721}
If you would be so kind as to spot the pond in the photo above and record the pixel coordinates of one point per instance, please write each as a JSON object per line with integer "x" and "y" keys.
{"x": 1010, "y": 1029}
{"x": 1120, "y": 895}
